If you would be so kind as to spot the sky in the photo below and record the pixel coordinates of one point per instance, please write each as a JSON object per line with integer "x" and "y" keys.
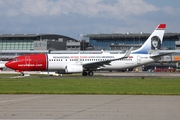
{"x": 75, "y": 18}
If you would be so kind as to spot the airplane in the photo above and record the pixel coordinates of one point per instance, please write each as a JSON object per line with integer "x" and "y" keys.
{"x": 88, "y": 63}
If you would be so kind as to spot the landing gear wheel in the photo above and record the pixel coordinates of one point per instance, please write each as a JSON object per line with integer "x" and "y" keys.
{"x": 84, "y": 73}
{"x": 22, "y": 74}
{"x": 90, "y": 73}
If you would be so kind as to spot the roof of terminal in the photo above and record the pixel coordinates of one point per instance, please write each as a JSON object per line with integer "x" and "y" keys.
{"x": 128, "y": 35}
{"x": 44, "y": 36}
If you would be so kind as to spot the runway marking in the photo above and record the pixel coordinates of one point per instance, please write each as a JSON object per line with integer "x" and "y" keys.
{"x": 19, "y": 99}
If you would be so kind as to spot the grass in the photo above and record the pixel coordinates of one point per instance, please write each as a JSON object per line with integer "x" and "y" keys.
{"x": 40, "y": 84}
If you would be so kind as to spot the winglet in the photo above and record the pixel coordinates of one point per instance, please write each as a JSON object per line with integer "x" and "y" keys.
{"x": 128, "y": 53}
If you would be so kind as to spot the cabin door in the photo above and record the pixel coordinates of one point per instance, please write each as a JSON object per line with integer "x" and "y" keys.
{"x": 138, "y": 59}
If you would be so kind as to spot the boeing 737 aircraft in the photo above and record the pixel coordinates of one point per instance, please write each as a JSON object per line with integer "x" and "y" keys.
{"x": 87, "y": 63}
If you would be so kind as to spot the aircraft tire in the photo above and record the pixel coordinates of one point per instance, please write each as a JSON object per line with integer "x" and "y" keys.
{"x": 84, "y": 73}
{"x": 90, "y": 73}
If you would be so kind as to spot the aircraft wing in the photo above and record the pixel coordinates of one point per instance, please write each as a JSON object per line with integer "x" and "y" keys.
{"x": 106, "y": 62}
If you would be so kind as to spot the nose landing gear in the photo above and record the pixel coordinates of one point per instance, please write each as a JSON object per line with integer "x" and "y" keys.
{"x": 22, "y": 74}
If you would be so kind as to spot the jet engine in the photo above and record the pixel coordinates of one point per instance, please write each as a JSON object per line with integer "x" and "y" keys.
{"x": 73, "y": 69}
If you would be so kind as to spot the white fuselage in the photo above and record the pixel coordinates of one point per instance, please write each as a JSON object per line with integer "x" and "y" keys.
{"x": 59, "y": 61}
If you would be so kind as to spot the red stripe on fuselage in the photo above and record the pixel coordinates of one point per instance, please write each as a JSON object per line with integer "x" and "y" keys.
{"x": 31, "y": 62}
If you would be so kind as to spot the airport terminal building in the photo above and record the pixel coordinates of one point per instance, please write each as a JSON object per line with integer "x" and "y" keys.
{"x": 34, "y": 41}
{"x": 12, "y": 45}
{"x": 171, "y": 41}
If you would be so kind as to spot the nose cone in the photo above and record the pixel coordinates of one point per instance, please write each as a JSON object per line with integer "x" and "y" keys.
{"x": 10, "y": 65}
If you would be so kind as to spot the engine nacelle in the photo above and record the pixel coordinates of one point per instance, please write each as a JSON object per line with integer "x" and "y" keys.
{"x": 73, "y": 68}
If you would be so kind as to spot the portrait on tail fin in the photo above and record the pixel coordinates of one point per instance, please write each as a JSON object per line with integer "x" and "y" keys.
{"x": 155, "y": 43}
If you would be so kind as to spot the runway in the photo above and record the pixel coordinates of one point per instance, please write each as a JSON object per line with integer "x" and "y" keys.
{"x": 90, "y": 107}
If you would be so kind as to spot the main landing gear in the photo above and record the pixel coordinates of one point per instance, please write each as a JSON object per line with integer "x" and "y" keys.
{"x": 89, "y": 73}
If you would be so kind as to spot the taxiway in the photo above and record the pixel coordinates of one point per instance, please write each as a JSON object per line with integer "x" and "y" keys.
{"x": 90, "y": 107}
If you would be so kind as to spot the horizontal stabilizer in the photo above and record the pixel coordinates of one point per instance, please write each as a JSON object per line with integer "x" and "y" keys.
{"x": 160, "y": 55}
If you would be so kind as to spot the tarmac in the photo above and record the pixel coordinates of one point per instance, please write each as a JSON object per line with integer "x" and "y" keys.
{"x": 139, "y": 74}
{"x": 107, "y": 74}
{"x": 90, "y": 107}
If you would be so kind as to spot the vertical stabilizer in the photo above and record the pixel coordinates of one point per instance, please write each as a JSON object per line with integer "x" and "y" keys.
{"x": 153, "y": 42}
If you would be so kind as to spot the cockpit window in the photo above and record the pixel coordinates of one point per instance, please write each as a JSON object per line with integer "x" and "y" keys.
{"x": 16, "y": 59}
